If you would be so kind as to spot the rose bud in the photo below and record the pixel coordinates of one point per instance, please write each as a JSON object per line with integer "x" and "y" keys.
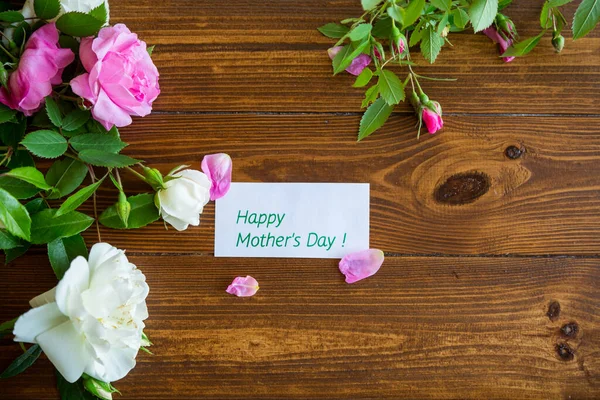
{"x": 558, "y": 41}
{"x": 432, "y": 116}
{"x": 378, "y": 51}
{"x": 506, "y": 27}
{"x": 503, "y": 43}
{"x": 400, "y": 44}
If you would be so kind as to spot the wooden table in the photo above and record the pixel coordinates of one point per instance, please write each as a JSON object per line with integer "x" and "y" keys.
{"x": 460, "y": 308}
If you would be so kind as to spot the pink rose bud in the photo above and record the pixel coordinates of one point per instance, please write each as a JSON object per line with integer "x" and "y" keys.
{"x": 432, "y": 116}
{"x": 218, "y": 169}
{"x": 361, "y": 264}
{"x": 41, "y": 66}
{"x": 356, "y": 66}
{"x": 503, "y": 43}
{"x": 400, "y": 44}
{"x": 121, "y": 79}
{"x": 243, "y": 287}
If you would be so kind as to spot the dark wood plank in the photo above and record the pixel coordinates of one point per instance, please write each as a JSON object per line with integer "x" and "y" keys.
{"x": 545, "y": 202}
{"x": 426, "y": 327}
{"x": 255, "y": 55}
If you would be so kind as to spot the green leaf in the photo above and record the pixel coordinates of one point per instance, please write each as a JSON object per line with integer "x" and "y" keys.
{"x": 460, "y": 18}
{"x": 100, "y": 12}
{"x": 397, "y": 13}
{"x": 431, "y": 44}
{"x": 65, "y": 176}
{"x": 483, "y": 13}
{"x": 374, "y": 118}
{"x": 78, "y": 198}
{"x": 545, "y": 21}
{"x": 22, "y": 362}
{"x": 342, "y": 64}
{"x": 364, "y": 78}
{"x": 416, "y": 36}
{"x": 390, "y": 87}
{"x": 14, "y": 216}
{"x": 46, "y": 9}
{"x": 18, "y": 188}
{"x": 369, "y": 4}
{"x": 62, "y": 251}
{"x": 413, "y": 12}
{"x": 13, "y": 254}
{"x": 75, "y": 120}
{"x": 11, "y": 16}
{"x": 523, "y": 47}
{"x": 334, "y": 31}
{"x": 443, "y": 5}
{"x": 30, "y": 175}
{"x": 46, "y": 226}
{"x": 382, "y": 28}
{"x": 79, "y": 24}
{"x": 21, "y": 158}
{"x": 502, "y": 4}
{"x": 45, "y": 144}
{"x": 53, "y": 112}
{"x": 12, "y": 133}
{"x": 143, "y": 212}
{"x": 72, "y": 391}
{"x": 586, "y": 18}
{"x": 100, "y": 158}
{"x": 8, "y": 241}
{"x": 97, "y": 141}
{"x": 6, "y": 114}
{"x": 370, "y": 95}
{"x": 35, "y": 206}
{"x": 360, "y": 32}
{"x": 8, "y": 326}
{"x": 558, "y": 3}
{"x": 150, "y": 49}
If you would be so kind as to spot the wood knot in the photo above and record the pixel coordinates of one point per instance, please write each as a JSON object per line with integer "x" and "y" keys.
{"x": 513, "y": 152}
{"x": 570, "y": 330}
{"x": 553, "y": 311}
{"x": 565, "y": 352}
{"x": 463, "y": 188}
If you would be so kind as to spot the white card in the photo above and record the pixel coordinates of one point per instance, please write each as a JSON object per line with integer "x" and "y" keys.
{"x": 303, "y": 220}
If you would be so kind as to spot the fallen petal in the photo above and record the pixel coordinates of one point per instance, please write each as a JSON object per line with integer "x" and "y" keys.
{"x": 243, "y": 287}
{"x": 361, "y": 265}
{"x": 356, "y": 66}
{"x": 218, "y": 168}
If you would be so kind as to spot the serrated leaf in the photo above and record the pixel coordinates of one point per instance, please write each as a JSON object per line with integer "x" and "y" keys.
{"x": 21, "y": 158}
{"x": 6, "y": 114}
{"x": 460, "y": 18}
{"x": 12, "y": 133}
{"x": 8, "y": 241}
{"x": 100, "y": 12}
{"x": 558, "y": 3}
{"x": 35, "y": 206}
{"x": 416, "y": 36}
{"x": 143, "y": 212}
{"x": 53, "y": 112}
{"x": 370, "y": 96}
{"x": 396, "y": 13}
{"x": 78, "y": 24}
{"x": 22, "y": 362}
{"x": 46, "y": 9}
{"x": 390, "y": 87}
{"x": 30, "y": 175}
{"x": 65, "y": 176}
{"x": 75, "y": 120}
{"x": 442, "y": 24}
{"x": 13, "y": 254}
{"x": 431, "y": 44}
{"x": 97, "y": 141}
{"x": 62, "y": 251}
{"x": 45, "y": 143}
{"x": 523, "y": 47}
{"x": 78, "y": 198}
{"x": 443, "y": 5}
{"x": 17, "y": 188}
{"x": 482, "y": 13}
{"x": 46, "y": 226}
{"x": 364, "y": 78}
{"x": 502, "y": 4}
{"x": 342, "y": 64}
{"x": 545, "y": 21}
{"x": 413, "y": 12}
{"x": 382, "y": 28}
{"x": 14, "y": 216}
{"x": 100, "y": 158}
{"x": 11, "y": 16}
{"x": 586, "y": 18}
{"x": 369, "y": 4}
{"x": 374, "y": 118}
{"x": 334, "y": 31}
{"x": 360, "y": 32}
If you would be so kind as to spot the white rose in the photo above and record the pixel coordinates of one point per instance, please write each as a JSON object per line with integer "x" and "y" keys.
{"x": 184, "y": 198}
{"x": 92, "y": 321}
{"x": 84, "y": 6}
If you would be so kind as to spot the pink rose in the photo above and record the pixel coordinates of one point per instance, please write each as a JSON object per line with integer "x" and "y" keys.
{"x": 121, "y": 81}
{"x": 41, "y": 66}
{"x": 217, "y": 167}
{"x": 356, "y": 66}
{"x": 503, "y": 44}
{"x": 433, "y": 117}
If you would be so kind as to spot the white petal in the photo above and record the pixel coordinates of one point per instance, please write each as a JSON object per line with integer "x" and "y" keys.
{"x": 65, "y": 348}
{"x": 36, "y": 321}
{"x": 196, "y": 176}
{"x": 177, "y": 223}
{"x": 183, "y": 199}
{"x": 100, "y": 301}
{"x": 75, "y": 281}
{"x": 44, "y": 298}
{"x": 114, "y": 365}
{"x": 100, "y": 253}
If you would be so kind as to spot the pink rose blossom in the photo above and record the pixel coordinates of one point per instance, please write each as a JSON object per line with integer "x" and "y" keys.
{"x": 41, "y": 66}
{"x": 433, "y": 118}
{"x": 503, "y": 44}
{"x": 361, "y": 265}
{"x": 218, "y": 169}
{"x": 243, "y": 287}
{"x": 356, "y": 66}
{"x": 121, "y": 80}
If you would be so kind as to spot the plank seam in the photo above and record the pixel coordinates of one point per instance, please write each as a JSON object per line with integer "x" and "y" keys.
{"x": 358, "y": 113}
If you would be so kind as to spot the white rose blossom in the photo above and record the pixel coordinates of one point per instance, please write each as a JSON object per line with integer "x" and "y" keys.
{"x": 182, "y": 200}
{"x": 92, "y": 321}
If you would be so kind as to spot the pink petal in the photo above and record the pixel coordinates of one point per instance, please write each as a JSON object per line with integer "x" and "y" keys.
{"x": 356, "y": 66}
{"x": 361, "y": 265}
{"x": 218, "y": 169}
{"x": 243, "y": 287}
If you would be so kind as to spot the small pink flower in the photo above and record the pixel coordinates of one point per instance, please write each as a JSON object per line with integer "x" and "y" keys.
{"x": 433, "y": 118}
{"x": 356, "y": 66}
{"x": 218, "y": 169}
{"x": 361, "y": 265}
{"x": 503, "y": 44}
{"x": 41, "y": 66}
{"x": 121, "y": 79}
{"x": 243, "y": 287}
{"x": 400, "y": 44}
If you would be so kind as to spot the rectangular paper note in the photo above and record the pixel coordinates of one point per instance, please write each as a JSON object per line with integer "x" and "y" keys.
{"x": 303, "y": 220}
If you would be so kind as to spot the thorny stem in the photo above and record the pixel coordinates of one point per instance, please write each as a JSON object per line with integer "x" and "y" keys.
{"x": 93, "y": 176}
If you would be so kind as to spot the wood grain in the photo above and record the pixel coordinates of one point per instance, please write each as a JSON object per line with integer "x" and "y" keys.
{"x": 267, "y": 56}
{"x": 423, "y": 327}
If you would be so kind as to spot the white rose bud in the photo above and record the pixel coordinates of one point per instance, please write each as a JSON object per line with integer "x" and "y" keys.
{"x": 92, "y": 321}
{"x": 183, "y": 199}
